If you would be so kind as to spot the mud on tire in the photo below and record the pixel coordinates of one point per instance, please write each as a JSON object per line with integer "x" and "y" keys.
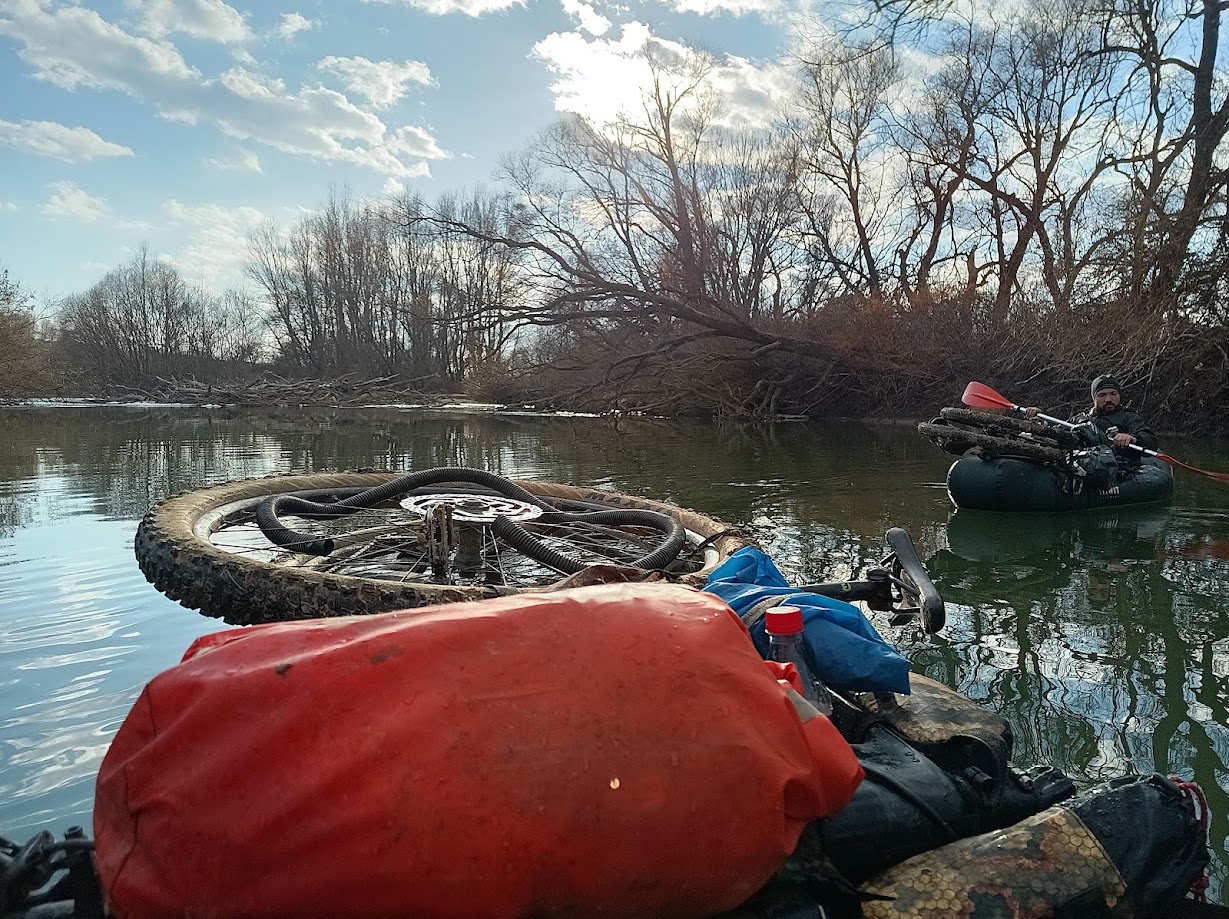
{"x": 1009, "y": 425}
{"x": 958, "y": 440}
{"x": 175, "y": 553}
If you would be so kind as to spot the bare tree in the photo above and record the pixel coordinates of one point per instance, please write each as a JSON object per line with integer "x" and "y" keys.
{"x": 648, "y": 224}
{"x": 477, "y": 286}
{"x": 24, "y": 353}
{"x": 1095, "y": 130}
{"x": 351, "y": 291}
{"x": 846, "y": 143}
{"x": 1174, "y": 101}
{"x": 1011, "y": 148}
{"x": 142, "y": 322}
{"x": 331, "y": 290}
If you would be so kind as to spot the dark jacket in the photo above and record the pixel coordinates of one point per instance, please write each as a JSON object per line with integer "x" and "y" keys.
{"x": 1126, "y": 421}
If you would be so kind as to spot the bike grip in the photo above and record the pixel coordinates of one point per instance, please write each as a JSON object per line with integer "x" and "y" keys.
{"x": 933, "y": 612}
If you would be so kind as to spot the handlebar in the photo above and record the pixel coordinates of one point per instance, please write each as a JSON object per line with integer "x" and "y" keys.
{"x": 909, "y": 568}
{"x": 903, "y": 587}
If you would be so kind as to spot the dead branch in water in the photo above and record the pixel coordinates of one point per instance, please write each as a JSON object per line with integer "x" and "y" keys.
{"x": 272, "y": 389}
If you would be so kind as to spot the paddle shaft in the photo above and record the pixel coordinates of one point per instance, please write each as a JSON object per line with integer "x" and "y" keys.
{"x": 982, "y": 396}
{"x": 1073, "y": 426}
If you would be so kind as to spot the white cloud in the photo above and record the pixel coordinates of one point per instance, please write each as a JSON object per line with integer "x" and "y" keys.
{"x": 597, "y": 79}
{"x": 243, "y": 161}
{"x": 468, "y": 7}
{"x": 9, "y": 207}
{"x": 591, "y": 21}
{"x": 138, "y": 225}
{"x": 217, "y": 246}
{"x": 318, "y": 123}
{"x": 74, "y": 47}
{"x": 98, "y": 268}
{"x": 733, "y": 7}
{"x": 74, "y": 203}
{"x": 751, "y": 92}
{"x": 249, "y": 84}
{"x": 394, "y": 188}
{"x": 381, "y": 82}
{"x": 605, "y": 79}
{"x": 211, "y": 20}
{"x": 291, "y": 24}
{"x": 415, "y": 142}
{"x": 46, "y": 138}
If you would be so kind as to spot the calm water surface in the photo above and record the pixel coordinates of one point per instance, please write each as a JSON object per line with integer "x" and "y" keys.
{"x": 1102, "y": 637}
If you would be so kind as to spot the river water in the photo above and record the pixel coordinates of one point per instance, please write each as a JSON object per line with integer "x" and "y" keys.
{"x": 1102, "y": 637}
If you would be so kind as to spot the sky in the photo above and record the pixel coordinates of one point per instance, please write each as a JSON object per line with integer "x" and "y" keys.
{"x": 183, "y": 125}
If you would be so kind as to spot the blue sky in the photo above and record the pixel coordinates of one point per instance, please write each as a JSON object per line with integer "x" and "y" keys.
{"x": 184, "y": 124}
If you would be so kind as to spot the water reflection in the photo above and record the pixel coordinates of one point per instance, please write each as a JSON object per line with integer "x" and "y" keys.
{"x": 1103, "y": 638}
{"x": 1100, "y": 637}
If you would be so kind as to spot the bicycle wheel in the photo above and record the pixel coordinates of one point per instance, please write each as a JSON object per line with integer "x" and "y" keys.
{"x": 1041, "y": 432}
{"x": 958, "y": 440}
{"x": 437, "y": 544}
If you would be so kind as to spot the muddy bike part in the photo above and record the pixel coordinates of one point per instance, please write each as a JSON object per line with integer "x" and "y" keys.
{"x": 46, "y": 878}
{"x": 1029, "y": 429}
{"x": 900, "y": 585}
{"x": 959, "y": 439}
{"x": 204, "y": 549}
{"x": 441, "y": 534}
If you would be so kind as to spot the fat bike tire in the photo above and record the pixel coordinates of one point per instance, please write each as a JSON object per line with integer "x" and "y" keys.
{"x": 959, "y": 440}
{"x": 1006, "y": 425}
{"x": 177, "y": 549}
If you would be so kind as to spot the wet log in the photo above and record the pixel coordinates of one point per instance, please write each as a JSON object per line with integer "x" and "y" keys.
{"x": 271, "y": 389}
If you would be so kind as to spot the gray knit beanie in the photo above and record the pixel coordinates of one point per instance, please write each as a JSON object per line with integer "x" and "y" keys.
{"x": 1105, "y": 381}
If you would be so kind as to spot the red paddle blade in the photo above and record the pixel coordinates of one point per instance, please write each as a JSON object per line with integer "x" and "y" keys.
{"x": 1214, "y": 476}
{"x": 979, "y": 395}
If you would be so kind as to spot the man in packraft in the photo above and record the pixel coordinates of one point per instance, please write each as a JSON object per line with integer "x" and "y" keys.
{"x": 1123, "y": 427}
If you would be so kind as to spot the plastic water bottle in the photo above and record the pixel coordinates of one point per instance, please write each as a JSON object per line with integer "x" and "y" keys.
{"x": 786, "y": 645}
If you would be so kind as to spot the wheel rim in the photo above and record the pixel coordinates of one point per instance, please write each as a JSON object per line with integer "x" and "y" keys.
{"x": 390, "y": 543}
{"x": 1035, "y": 431}
{"x": 957, "y": 439}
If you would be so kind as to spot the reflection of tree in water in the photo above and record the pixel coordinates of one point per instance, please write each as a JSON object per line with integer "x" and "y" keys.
{"x": 16, "y": 510}
{"x": 131, "y": 458}
{"x": 1106, "y": 653}
{"x": 126, "y": 458}
{"x": 810, "y": 554}
{"x": 19, "y": 465}
{"x": 1101, "y": 637}
{"x": 806, "y": 473}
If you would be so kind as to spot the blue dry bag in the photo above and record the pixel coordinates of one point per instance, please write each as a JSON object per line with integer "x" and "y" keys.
{"x": 849, "y": 655}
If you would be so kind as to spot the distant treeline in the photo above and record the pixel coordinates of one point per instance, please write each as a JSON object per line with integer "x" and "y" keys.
{"x": 1044, "y": 203}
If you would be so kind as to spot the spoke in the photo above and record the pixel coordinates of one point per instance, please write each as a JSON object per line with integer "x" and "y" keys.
{"x": 336, "y": 559}
{"x": 386, "y": 544}
{"x": 499, "y": 561}
{"x": 599, "y": 542}
{"x": 237, "y": 548}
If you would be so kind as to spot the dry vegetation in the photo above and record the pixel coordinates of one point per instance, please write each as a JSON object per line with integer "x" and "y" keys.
{"x": 1047, "y": 204}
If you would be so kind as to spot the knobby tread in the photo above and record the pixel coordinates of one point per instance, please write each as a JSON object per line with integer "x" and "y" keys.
{"x": 959, "y": 440}
{"x": 244, "y": 591}
{"x": 1005, "y": 425}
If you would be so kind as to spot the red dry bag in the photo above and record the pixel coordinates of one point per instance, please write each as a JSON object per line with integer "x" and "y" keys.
{"x": 608, "y": 751}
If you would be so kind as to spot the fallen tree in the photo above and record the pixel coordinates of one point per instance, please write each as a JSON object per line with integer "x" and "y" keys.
{"x": 273, "y": 390}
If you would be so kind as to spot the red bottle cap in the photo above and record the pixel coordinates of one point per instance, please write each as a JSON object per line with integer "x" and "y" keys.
{"x": 783, "y": 620}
